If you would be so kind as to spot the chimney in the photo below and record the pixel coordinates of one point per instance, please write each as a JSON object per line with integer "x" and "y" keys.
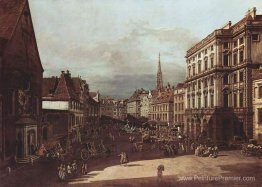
{"x": 68, "y": 73}
{"x": 63, "y": 72}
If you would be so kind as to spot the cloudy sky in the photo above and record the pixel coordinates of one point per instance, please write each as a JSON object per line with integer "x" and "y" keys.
{"x": 114, "y": 44}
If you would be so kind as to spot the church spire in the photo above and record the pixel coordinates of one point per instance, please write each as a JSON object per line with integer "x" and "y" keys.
{"x": 159, "y": 84}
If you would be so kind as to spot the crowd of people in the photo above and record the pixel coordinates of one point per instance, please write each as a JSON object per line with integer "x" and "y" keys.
{"x": 66, "y": 171}
{"x": 204, "y": 151}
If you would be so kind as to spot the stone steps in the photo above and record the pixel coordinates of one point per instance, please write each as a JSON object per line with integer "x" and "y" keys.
{"x": 27, "y": 159}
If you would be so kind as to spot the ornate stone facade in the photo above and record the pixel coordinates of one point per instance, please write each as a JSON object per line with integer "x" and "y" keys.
{"x": 219, "y": 80}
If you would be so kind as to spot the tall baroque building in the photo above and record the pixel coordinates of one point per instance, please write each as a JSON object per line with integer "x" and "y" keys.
{"x": 219, "y": 80}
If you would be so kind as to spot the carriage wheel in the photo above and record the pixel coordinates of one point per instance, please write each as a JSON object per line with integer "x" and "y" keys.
{"x": 85, "y": 155}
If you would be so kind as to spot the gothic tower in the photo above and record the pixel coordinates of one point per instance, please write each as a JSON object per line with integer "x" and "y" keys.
{"x": 159, "y": 84}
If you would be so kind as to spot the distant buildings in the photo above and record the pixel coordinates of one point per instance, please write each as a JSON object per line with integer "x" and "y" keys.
{"x": 145, "y": 103}
{"x": 113, "y": 108}
{"x": 179, "y": 105}
{"x": 120, "y": 109}
{"x": 21, "y": 75}
{"x": 107, "y": 107}
{"x": 93, "y": 109}
{"x": 138, "y": 103}
{"x": 219, "y": 80}
{"x": 133, "y": 104}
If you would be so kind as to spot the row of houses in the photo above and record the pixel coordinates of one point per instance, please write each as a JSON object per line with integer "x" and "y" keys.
{"x": 113, "y": 108}
{"x": 222, "y": 93}
{"x": 156, "y": 105}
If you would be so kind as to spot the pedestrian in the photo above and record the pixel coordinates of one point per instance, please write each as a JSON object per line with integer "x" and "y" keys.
{"x": 121, "y": 158}
{"x": 160, "y": 170}
{"x": 32, "y": 161}
{"x": 85, "y": 168}
{"x": 9, "y": 170}
{"x": 69, "y": 169}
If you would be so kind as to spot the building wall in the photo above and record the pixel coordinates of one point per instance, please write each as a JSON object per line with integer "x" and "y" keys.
{"x": 107, "y": 107}
{"x": 162, "y": 112}
{"x": 133, "y": 108}
{"x": 222, "y": 104}
{"x": 179, "y": 106}
{"x": 257, "y": 110}
{"x": 145, "y": 106}
{"x": 21, "y": 70}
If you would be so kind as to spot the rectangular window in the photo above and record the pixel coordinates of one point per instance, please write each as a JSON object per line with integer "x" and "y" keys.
{"x": 188, "y": 103}
{"x": 241, "y": 97}
{"x": 241, "y": 40}
{"x": 212, "y": 101}
{"x": 241, "y": 76}
{"x": 259, "y": 115}
{"x": 199, "y": 84}
{"x": 235, "y": 100}
{"x": 226, "y": 60}
{"x": 205, "y": 51}
{"x": 226, "y": 45}
{"x": 199, "y": 67}
{"x": 199, "y": 55}
{"x": 260, "y": 92}
{"x": 241, "y": 56}
{"x": 211, "y": 81}
{"x": 235, "y": 78}
{"x": 235, "y": 59}
{"x": 211, "y": 48}
{"x": 255, "y": 37}
{"x": 206, "y": 64}
{"x": 212, "y": 62}
{"x": 194, "y": 72}
{"x": 205, "y": 101}
{"x": 235, "y": 43}
{"x": 205, "y": 83}
{"x": 199, "y": 102}
{"x": 193, "y": 102}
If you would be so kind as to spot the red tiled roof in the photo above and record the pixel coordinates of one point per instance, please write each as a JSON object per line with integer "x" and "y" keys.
{"x": 92, "y": 94}
{"x": 49, "y": 84}
{"x": 77, "y": 84}
{"x": 165, "y": 96}
{"x": 180, "y": 85}
{"x": 65, "y": 88}
{"x": 10, "y": 11}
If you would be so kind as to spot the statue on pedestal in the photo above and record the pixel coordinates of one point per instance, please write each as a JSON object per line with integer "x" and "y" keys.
{"x": 23, "y": 102}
